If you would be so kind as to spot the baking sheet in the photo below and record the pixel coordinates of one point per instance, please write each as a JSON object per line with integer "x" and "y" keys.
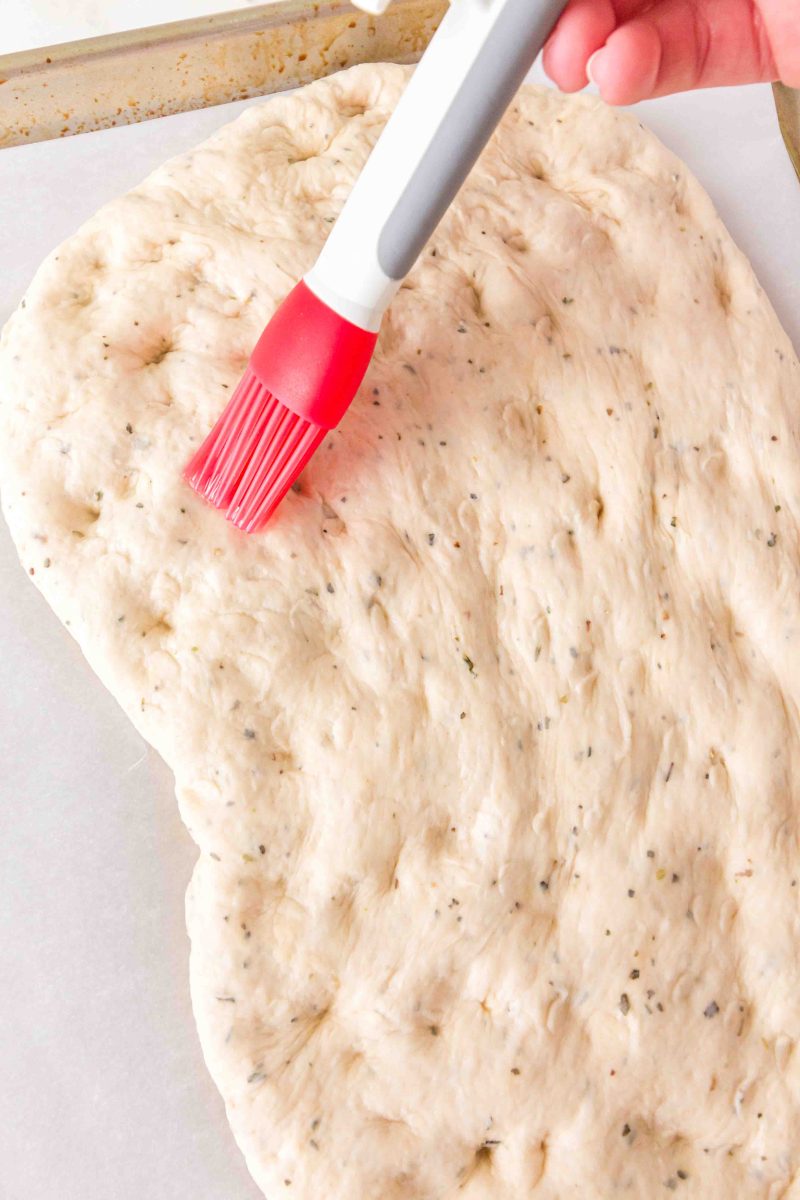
{"x": 105, "y": 1096}
{"x": 177, "y": 66}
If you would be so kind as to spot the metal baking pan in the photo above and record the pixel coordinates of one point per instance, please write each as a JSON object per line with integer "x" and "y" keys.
{"x": 787, "y": 102}
{"x": 99, "y": 82}
{"x": 120, "y": 78}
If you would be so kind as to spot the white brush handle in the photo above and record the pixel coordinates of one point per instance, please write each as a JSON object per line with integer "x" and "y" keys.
{"x": 376, "y": 7}
{"x": 464, "y": 82}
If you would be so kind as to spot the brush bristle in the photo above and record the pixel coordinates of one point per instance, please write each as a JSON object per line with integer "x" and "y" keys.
{"x": 253, "y": 455}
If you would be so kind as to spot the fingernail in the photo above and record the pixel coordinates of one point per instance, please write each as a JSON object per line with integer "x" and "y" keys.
{"x": 590, "y": 67}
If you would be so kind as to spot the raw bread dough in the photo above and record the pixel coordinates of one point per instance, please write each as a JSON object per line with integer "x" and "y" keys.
{"x": 489, "y": 741}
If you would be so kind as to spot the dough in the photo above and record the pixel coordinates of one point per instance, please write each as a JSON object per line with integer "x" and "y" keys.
{"x": 489, "y": 743}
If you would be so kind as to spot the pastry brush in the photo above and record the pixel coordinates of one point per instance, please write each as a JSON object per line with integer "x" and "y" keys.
{"x": 311, "y": 358}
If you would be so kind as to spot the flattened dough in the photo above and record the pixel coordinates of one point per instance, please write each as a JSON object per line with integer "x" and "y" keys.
{"x": 490, "y": 742}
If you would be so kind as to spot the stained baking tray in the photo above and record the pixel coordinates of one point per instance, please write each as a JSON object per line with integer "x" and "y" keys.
{"x": 119, "y": 78}
{"x": 97, "y": 83}
{"x": 100, "y": 82}
{"x": 787, "y": 102}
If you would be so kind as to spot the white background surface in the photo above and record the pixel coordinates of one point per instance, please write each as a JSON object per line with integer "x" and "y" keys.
{"x": 104, "y": 1095}
{"x": 29, "y": 23}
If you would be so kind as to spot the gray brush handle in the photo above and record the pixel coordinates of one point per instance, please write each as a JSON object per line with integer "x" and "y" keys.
{"x": 466, "y": 79}
{"x": 486, "y": 91}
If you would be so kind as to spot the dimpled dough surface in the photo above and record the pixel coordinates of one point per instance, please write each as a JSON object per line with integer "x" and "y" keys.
{"x": 489, "y": 742}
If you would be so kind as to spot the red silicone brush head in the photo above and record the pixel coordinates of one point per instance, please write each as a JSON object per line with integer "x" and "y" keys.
{"x": 302, "y": 375}
{"x": 253, "y": 455}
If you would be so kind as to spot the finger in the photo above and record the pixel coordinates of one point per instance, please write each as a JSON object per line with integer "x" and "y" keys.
{"x": 583, "y": 28}
{"x": 781, "y": 31}
{"x": 626, "y": 69}
{"x": 678, "y": 45}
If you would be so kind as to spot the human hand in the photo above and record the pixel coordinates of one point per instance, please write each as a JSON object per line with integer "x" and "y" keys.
{"x": 644, "y": 48}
